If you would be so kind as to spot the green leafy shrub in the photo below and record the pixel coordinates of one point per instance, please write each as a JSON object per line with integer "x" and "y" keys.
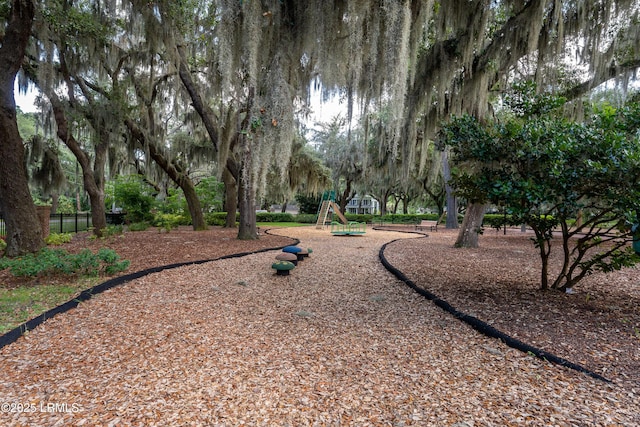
{"x": 218, "y": 218}
{"x": 358, "y": 217}
{"x": 167, "y": 221}
{"x": 496, "y": 221}
{"x": 57, "y": 261}
{"x": 306, "y": 218}
{"x": 3, "y": 244}
{"x": 405, "y": 218}
{"x": 134, "y": 196}
{"x": 57, "y": 239}
{"x": 112, "y": 262}
{"x": 108, "y": 231}
{"x": 139, "y": 226}
{"x": 274, "y": 217}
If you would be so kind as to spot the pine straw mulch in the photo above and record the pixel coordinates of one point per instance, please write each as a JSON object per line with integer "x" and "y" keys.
{"x": 338, "y": 342}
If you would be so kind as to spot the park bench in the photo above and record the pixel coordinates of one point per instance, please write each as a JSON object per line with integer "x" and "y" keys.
{"x": 427, "y": 224}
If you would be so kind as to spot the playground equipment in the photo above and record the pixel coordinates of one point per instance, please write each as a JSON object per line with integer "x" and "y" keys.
{"x": 351, "y": 228}
{"x": 328, "y": 207}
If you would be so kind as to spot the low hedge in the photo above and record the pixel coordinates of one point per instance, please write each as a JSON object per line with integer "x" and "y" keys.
{"x": 406, "y": 218}
{"x": 274, "y": 217}
{"x": 220, "y": 218}
{"x": 306, "y": 218}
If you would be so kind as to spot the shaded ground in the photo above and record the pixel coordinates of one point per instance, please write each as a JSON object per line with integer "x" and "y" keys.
{"x": 152, "y": 248}
{"x": 339, "y": 342}
{"x": 598, "y": 326}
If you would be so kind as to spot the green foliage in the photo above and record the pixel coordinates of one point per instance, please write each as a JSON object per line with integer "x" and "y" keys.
{"x": 167, "y": 222}
{"x": 112, "y": 262}
{"x": 359, "y": 218}
{"x": 306, "y": 218}
{"x": 174, "y": 203}
{"x": 20, "y": 304}
{"x": 57, "y": 239}
{"x": 77, "y": 23}
{"x": 525, "y": 101}
{"x": 134, "y": 197}
{"x": 273, "y": 217}
{"x": 405, "y": 218}
{"x": 109, "y": 231}
{"x": 307, "y": 204}
{"x": 26, "y": 124}
{"x": 496, "y": 221}
{"x": 546, "y": 170}
{"x": 218, "y": 218}
{"x": 3, "y": 244}
{"x": 139, "y": 226}
{"x": 59, "y": 262}
{"x": 210, "y": 192}
{"x": 66, "y": 205}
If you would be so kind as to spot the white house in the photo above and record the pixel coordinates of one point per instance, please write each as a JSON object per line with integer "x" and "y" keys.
{"x": 366, "y": 205}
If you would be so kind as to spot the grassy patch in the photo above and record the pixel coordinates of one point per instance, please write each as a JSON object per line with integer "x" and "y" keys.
{"x": 20, "y": 304}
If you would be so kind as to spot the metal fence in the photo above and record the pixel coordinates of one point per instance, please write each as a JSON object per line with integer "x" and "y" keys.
{"x": 61, "y": 223}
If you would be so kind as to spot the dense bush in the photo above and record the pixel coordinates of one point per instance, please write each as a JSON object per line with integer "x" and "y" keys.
{"x": 308, "y": 204}
{"x": 306, "y": 218}
{"x": 58, "y": 238}
{"x": 218, "y": 218}
{"x": 274, "y": 217}
{"x": 168, "y": 221}
{"x": 405, "y": 218}
{"x": 134, "y": 197}
{"x": 57, "y": 261}
{"x": 547, "y": 170}
{"x": 357, "y": 217}
{"x": 139, "y": 226}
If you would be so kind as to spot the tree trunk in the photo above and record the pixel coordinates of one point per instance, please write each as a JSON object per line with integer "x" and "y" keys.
{"x": 193, "y": 203}
{"x": 396, "y": 202}
{"x": 284, "y": 207}
{"x": 345, "y": 197}
{"x": 92, "y": 176}
{"x": 543, "y": 244}
{"x": 175, "y": 173}
{"x": 21, "y": 220}
{"x": 23, "y": 230}
{"x": 452, "y": 202}
{"x": 383, "y": 202}
{"x": 55, "y": 202}
{"x": 471, "y": 226}
{"x": 247, "y": 229}
{"x": 230, "y": 197}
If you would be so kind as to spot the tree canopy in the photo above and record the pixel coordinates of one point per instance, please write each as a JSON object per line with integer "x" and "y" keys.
{"x": 546, "y": 171}
{"x": 240, "y": 72}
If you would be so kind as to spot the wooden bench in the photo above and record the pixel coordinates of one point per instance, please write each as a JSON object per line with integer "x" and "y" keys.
{"x": 424, "y": 224}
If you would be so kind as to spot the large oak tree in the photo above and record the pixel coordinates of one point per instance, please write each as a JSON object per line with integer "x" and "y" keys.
{"x": 22, "y": 225}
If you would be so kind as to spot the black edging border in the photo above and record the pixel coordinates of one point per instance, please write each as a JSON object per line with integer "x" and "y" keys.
{"x": 477, "y": 324}
{"x": 14, "y": 334}
{"x": 481, "y": 326}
